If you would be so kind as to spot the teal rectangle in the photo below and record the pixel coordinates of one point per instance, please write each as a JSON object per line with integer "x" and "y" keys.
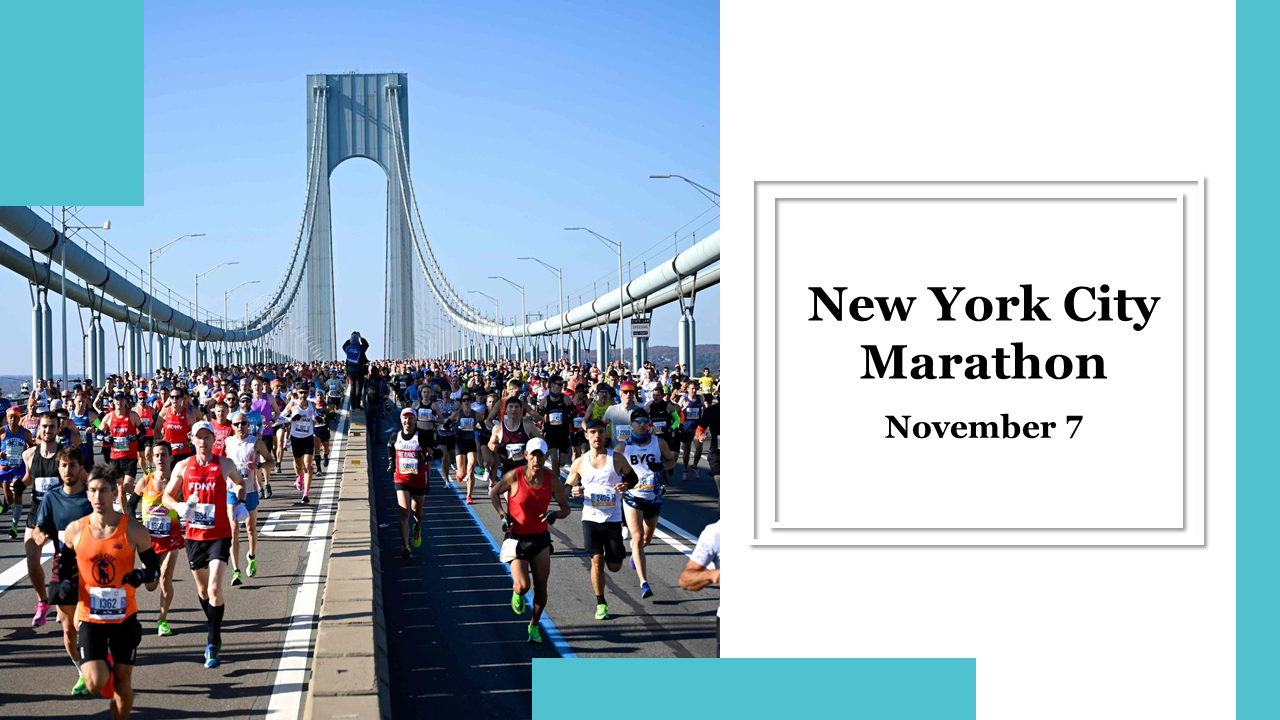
{"x": 1257, "y": 347}
{"x": 71, "y": 119}
{"x": 740, "y": 688}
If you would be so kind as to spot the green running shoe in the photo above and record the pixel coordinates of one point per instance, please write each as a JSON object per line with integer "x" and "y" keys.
{"x": 517, "y": 603}
{"x": 417, "y": 536}
{"x": 80, "y": 688}
{"x": 602, "y": 612}
{"x": 253, "y": 567}
{"x": 534, "y": 635}
{"x": 235, "y": 579}
{"x": 162, "y": 628}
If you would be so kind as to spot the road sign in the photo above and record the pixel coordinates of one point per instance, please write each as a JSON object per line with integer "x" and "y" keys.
{"x": 640, "y": 328}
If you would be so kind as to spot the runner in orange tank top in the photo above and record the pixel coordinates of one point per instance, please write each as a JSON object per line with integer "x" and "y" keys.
{"x": 99, "y": 577}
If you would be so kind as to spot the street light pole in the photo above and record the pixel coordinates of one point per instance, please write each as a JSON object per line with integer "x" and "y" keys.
{"x": 151, "y": 286}
{"x": 559, "y": 274}
{"x": 195, "y": 328}
{"x": 711, "y": 195}
{"x": 65, "y": 227}
{"x": 618, "y": 343}
{"x": 524, "y": 335}
{"x": 226, "y": 317}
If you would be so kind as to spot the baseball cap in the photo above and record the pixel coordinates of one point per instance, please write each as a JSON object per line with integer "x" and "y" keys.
{"x": 627, "y": 385}
{"x": 593, "y": 423}
{"x": 119, "y": 394}
{"x": 536, "y": 445}
{"x": 246, "y": 396}
{"x": 202, "y": 425}
{"x": 408, "y": 411}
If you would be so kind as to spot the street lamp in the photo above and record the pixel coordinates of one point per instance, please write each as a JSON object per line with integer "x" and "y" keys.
{"x": 65, "y": 227}
{"x": 524, "y": 339}
{"x": 246, "y": 312}
{"x": 711, "y": 195}
{"x": 151, "y": 285}
{"x": 618, "y": 344}
{"x": 497, "y": 314}
{"x": 195, "y": 327}
{"x": 226, "y": 316}
{"x": 560, "y": 275}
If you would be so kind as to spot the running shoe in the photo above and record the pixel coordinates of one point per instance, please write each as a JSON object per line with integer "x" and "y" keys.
{"x": 407, "y": 554}
{"x": 253, "y": 567}
{"x": 633, "y": 562}
{"x": 235, "y": 578}
{"x": 470, "y": 501}
{"x": 211, "y": 656}
{"x": 306, "y": 499}
{"x": 517, "y": 603}
{"x": 80, "y": 688}
{"x": 534, "y": 636}
{"x": 13, "y": 532}
{"x": 325, "y": 463}
{"x": 645, "y": 591}
{"x": 602, "y": 612}
{"x": 162, "y": 628}
{"x": 267, "y": 488}
{"x": 298, "y": 483}
{"x": 417, "y": 536}
{"x": 42, "y": 609}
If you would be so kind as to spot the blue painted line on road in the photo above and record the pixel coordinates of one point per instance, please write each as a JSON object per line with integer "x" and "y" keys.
{"x": 553, "y": 632}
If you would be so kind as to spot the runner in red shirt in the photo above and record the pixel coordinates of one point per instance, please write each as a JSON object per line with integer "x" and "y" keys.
{"x": 222, "y": 429}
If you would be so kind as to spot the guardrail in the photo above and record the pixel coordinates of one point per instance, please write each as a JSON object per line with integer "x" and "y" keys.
{"x": 349, "y": 674}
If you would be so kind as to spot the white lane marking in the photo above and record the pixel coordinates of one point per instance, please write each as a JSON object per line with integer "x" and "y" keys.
{"x": 18, "y": 570}
{"x": 301, "y": 525}
{"x": 295, "y": 653}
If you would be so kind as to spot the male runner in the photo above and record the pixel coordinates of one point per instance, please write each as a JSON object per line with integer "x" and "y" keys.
{"x": 596, "y": 477}
{"x": 99, "y": 579}
{"x": 265, "y": 405}
{"x": 253, "y": 459}
{"x": 691, "y": 407}
{"x": 163, "y": 526}
{"x": 619, "y": 415}
{"x": 61, "y": 505}
{"x": 445, "y": 409}
{"x": 526, "y": 521}
{"x": 176, "y": 418}
{"x": 202, "y": 480}
{"x": 85, "y": 419}
{"x": 124, "y": 426}
{"x": 408, "y": 460}
{"x": 709, "y": 426}
{"x": 652, "y": 460}
{"x": 43, "y": 474}
{"x": 557, "y": 425}
{"x": 221, "y": 428}
{"x": 13, "y": 445}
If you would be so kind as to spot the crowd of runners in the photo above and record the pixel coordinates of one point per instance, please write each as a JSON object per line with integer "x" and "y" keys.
{"x": 120, "y": 478}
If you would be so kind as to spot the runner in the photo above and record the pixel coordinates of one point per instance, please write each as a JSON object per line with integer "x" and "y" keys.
{"x": 221, "y": 428}
{"x": 177, "y": 417}
{"x": 699, "y": 571}
{"x": 146, "y": 413}
{"x": 253, "y": 459}
{"x": 709, "y": 426}
{"x": 86, "y": 421}
{"x": 99, "y": 578}
{"x": 558, "y": 425}
{"x": 445, "y": 410}
{"x": 526, "y": 521}
{"x": 163, "y": 526}
{"x": 465, "y": 418}
{"x": 326, "y": 413}
{"x": 652, "y": 460}
{"x": 13, "y": 445}
{"x": 509, "y": 437}
{"x": 581, "y": 407}
{"x": 691, "y": 408}
{"x": 301, "y": 414}
{"x": 203, "y": 480}
{"x": 264, "y": 404}
{"x": 407, "y": 459}
{"x": 619, "y": 415}
{"x": 597, "y": 478}
{"x": 62, "y": 504}
{"x": 43, "y": 474}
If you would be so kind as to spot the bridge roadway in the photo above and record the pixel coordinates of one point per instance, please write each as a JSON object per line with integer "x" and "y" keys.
{"x": 454, "y": 644}
{"x": 263, "y": 672}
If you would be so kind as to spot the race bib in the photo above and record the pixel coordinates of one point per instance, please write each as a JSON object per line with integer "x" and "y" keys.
{"x": 13, "y": 449}
{"x": 515, "y": 451}
{"x": 424, "y": 414}
{"x": 644, "y": 486}
{"x": 557, "y": 418}
{"x": 120, "y": 443}
{"x": 603, "y": 500}
{"x": 624, "y": 432}
{"x": 157, "y": 525}
{"x": 45, "y": 484}
{"x": 302, "y": 426}
{"x": 659, "y": 425}
{"x": 107, "y": 603}
{"x": 244, "y": 472}
{"x": 408, "y": 465}
{"x": 577, "y": 423}
{"x": 467, "y": 423}
{"x": 204, "y": 518}
{"x": 693, "y": 413}
{"x": 146, "y": 423}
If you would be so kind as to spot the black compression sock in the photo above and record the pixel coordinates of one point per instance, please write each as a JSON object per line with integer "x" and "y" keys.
{"x": 217, "y": 625}
{"x": 208, "y": 616}
{"x": 600, "y": 600}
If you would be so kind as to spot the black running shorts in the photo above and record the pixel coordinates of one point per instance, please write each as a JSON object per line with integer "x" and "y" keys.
{"x": 122, "y": 639}
{"x": 604, "y": 538}
{"x": 202, "y": 552}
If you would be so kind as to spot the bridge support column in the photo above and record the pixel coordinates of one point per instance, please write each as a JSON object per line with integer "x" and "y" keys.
{"x": 102, "y": 351}
{"x": 639, "y": 352}
{"x": 37, "y": 341}
{"x": 184, "y": 352}
{"x": 602, "y": 346}
{"x": 47, "y": 371}
{"x": 575, "y": 350}
{"x": 688, "y": 344}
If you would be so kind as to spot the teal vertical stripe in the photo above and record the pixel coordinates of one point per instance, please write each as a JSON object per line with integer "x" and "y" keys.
{"x": 71, "y": 118}
{"x": 1257, "y": 347}
{"x": 742, "y": 688}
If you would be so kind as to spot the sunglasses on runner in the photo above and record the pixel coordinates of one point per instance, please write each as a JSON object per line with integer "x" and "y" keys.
{"x": 239, "y": 424}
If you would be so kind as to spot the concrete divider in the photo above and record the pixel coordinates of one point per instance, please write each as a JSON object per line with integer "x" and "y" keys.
{"x": 349, "y": 674}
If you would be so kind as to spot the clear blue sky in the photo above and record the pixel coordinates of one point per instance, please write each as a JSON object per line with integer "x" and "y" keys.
{"x": 524, "y": 118}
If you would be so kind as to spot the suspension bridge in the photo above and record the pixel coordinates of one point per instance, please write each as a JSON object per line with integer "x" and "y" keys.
{"x": 349, "y": 115}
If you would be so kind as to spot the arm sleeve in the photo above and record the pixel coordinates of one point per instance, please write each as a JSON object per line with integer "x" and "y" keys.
{"x": 68, "y": 568}
{"x": 150, "y": 564}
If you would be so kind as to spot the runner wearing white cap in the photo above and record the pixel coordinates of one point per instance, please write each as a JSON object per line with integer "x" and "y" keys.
{"x": 526, "y": 520}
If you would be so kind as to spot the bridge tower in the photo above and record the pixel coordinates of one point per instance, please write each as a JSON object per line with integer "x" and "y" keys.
{"x": 358, "y": 123}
